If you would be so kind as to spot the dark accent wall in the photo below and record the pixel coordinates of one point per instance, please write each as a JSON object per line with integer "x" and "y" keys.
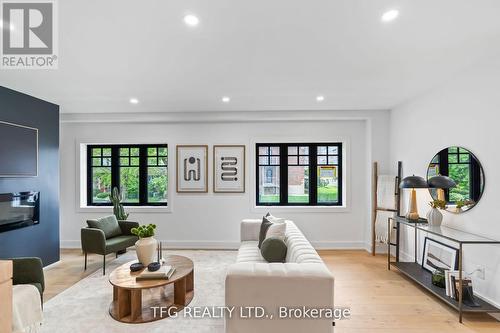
{"x": 41, "y": 240}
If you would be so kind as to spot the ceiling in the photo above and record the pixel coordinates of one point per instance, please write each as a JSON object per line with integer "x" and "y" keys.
{"x": 264, "y": 55}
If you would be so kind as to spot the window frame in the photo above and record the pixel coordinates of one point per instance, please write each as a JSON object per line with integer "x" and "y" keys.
{"x": 313, "y": 177}
{"x": 115, "y": 173}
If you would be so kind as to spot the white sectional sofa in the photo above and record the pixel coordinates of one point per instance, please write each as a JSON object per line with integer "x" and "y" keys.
{"x": 302, "y": 281}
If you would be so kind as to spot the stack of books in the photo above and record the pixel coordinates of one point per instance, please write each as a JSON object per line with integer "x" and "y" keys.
{"x": 164, "y": 273}
{"x": 452, "y": 283}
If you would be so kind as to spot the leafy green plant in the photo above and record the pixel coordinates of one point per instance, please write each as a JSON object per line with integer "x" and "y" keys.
{"x": 463, "y": 203}
{"x": 144, "y": 231}
{"x": 440, "y": 204}
{"x": 118, "y": 210}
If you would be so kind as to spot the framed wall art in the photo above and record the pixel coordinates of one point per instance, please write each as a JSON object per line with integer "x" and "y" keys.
{"x": 229, "y": 169}
{"x": 192, "y": 168}
{"x": 439, "y": 256}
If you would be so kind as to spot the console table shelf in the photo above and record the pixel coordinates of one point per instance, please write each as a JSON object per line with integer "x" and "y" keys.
{"x": 415, "y": 272}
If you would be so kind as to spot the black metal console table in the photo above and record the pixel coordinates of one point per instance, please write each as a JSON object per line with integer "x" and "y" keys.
{"x": 415, "y": 272}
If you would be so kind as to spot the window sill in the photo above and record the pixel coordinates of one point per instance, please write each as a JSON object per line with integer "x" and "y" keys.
{"x": 301, "y": 209}
{"x": 128, "y": 209}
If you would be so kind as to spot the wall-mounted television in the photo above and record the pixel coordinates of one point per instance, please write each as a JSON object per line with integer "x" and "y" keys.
{"x": 18, "y": 150}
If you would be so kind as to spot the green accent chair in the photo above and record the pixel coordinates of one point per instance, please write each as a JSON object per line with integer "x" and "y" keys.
{"x": 29, "y": 270}
{"x": 107, "y": 235}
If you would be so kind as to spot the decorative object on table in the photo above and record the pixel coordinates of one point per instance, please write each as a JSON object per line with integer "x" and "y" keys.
{"x": 229, "y": 169}
{"x": 463, "y": 169}
{"x": 162, "y": 273}
{"x": 413, "y": 182}
{"x": 438, "y": 255}
{"x": 192, "y": 166}
{"x": 154, "y": 266}
{"x": 434, "y": 216}
{"x": 146, "y": 245}
{"x": 160, "y": 253}
{"x": 438, "y": 278}
{"x": 118, "y": 210}
{"x": 137, "y": 266}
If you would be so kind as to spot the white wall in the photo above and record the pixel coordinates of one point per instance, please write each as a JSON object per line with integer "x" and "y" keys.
{"x": 212, "y": 220}
{"x": 465, "y": 111}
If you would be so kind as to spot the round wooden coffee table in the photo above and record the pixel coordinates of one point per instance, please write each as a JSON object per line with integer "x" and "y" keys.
{"x": 165, "y": 297}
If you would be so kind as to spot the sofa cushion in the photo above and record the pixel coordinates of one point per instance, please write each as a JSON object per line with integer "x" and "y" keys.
{"x": 119, "y": 243}
{"x": 273, "y": 249}
{"x": 276, "y": 230}
{"x": 249, "y": 252}
{"x": 109, "y": 225}
{"x": 263, "y": 230}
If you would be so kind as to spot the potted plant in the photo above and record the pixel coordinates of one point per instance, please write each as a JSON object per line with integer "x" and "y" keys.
{"x": 116, "y": 198}
{"x": 462, "y": 203}
{"x": 146, "y": 245}
{"x": 434, "y": 216}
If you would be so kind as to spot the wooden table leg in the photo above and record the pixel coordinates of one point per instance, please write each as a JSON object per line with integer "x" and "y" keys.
{"x": 180, "y": 292}
{"x": 135, "y": 304}
{"x": 123, "y": 302}
{"x": 190, "y": 281}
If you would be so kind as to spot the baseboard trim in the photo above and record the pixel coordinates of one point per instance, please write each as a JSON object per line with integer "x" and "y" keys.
{"x": 221, "y": 245}
{"x": 338, "y": 245}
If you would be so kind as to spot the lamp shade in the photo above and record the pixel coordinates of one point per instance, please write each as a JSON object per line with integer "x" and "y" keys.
{"x": 413, "y": 182}
{"x": 441, "y": 182}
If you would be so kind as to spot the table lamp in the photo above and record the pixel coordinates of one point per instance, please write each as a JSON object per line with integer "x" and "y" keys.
{"x": 441, "y": 183}
{"x": 413, "y": 182}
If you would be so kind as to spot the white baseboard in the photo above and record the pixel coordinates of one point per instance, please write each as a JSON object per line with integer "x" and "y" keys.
{"x": 222, "y": 245}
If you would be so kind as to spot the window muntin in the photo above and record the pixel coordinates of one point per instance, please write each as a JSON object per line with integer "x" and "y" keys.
{"x": 268, "y": 161}
{"x": 312, "y": 173}
{"x": 140, "y": 171}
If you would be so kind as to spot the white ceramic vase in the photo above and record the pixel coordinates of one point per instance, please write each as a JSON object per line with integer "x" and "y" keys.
{"x": 146, "y": 250}
{"x": 434, "y": 217}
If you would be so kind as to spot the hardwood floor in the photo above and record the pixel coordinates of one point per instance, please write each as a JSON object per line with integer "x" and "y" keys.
{"x": 380, "y": 300}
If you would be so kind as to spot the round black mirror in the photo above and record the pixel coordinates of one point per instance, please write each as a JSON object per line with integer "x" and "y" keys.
{"x": 467, "y": 179}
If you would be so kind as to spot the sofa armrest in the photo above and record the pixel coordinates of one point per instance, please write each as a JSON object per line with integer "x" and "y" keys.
{"x": 126, "y": 226}
{"x": 93, "y": 240}
{"x": 250, "y": 229}
{"x": 276, "y": 285}
{"x": 28, "y": 270}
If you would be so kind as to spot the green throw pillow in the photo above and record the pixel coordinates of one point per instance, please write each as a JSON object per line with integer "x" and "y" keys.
{"x": 263, "y": 230}
{"x": 273, "y": 249}
{"x": 108, "y": 224}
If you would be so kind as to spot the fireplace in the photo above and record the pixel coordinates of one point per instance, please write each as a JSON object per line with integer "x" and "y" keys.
{"x": 18, "y": 210}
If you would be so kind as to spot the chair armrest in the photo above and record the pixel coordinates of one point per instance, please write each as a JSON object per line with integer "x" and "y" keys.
{"x": 126, "y": 226}
{"x": 93, "y": 240}
{"x": 250, "y": 229}
{"x": 27, "y": 270}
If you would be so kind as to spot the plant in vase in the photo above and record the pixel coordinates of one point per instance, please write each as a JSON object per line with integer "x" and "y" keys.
{"x": 146, "y": 245}
{"x": 434, "y": 216}
{"x": 461, "y": 204}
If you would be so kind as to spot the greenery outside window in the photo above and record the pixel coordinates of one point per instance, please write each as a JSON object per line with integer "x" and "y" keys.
{"x": 299, "y": 174}
{"x": 139, "y": 171}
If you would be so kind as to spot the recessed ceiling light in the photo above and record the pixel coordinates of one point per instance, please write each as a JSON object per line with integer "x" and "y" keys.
{"x": 320, "y": 98}
{"x": 390, "y": 15}
{"x": 191, "y": 20}
{"x": 226, "y": 99}
{"x": 134, "y": 101}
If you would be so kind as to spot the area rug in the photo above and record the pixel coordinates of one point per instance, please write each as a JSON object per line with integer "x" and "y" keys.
{"x": 84, "y": 306}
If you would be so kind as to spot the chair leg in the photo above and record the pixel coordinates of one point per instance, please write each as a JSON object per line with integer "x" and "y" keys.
{"x": 104, "y": 265}
{"x": 116, "y": 255}
{"x": 85, "y": 268}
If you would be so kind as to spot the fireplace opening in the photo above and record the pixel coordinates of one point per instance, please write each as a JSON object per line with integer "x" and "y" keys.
{"x": 19, "y": 209}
